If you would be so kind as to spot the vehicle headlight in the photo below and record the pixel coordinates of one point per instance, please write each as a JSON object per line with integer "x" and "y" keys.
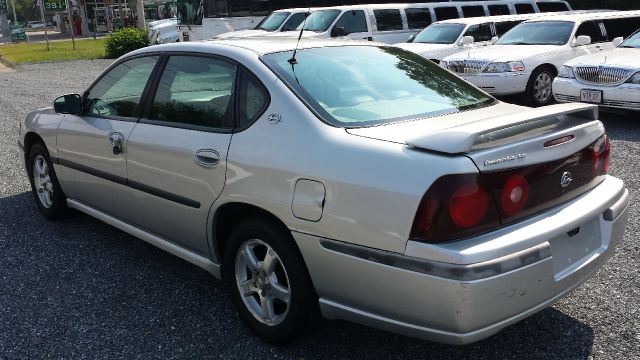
{"x": 566, "y": 72}
{"x": 635, "y": 79}
{"x": 501, "y": 67}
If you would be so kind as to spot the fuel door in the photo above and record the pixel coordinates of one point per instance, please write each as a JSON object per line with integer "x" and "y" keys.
{"x": 308, "y": 200}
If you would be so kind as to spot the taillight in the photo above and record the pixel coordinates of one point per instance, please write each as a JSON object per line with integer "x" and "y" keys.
{"x": 514, "y": 194}
{"x": 600, "y": 156}
{"x": 455, "y": 206}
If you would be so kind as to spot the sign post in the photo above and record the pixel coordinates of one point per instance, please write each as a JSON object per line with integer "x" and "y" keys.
{"x": 71, "y": 27}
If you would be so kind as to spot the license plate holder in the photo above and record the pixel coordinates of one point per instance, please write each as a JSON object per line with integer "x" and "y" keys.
{"x": 591, "y": 96}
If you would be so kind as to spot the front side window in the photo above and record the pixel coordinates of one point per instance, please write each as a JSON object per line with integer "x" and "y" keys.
{"x": 355, "y": 86}
{"x": 480, "y": 32}
{"x": 319, "y": 21}
{"x": 195, "y": 91}
{"x": 273, "y": 21}
{"x": 591, "y": 29}
{"x": 388, "y": 19}
{"x": 294, "y": 21}
{"x": 418, "y": 18}
{"x": 538, "y": 33}
{"x": 119, "y": 91}
{"x": 352, "y": 22}
{"x": 439, "y": 34}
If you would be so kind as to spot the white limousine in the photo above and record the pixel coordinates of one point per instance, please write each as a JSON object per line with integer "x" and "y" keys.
{"x": 528, "y": 57}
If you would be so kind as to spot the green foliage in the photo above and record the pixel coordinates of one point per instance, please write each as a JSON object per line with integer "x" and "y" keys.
{"x": 58, "y": 51}
{"x": 125, "y": 40}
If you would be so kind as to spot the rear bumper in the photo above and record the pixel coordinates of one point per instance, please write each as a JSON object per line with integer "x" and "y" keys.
{"x": 499, "y": 83}
{"x": 625, "y": 96}
{"x": 455, "y": 303}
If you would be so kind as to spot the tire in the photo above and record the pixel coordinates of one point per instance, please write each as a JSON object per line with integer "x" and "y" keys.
{"x": 539, "y": 88}
{"x": 263, "y": 307}
{"x": 45, "y": 187}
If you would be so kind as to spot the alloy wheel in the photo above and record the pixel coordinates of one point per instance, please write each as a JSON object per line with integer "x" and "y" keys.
{"x": 42, "y": 181}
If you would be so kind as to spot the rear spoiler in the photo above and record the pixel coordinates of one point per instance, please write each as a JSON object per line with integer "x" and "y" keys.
{"x": 488, "y": 132}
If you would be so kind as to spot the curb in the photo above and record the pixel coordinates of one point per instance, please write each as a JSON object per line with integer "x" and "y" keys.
{"x": 8, "y": 63}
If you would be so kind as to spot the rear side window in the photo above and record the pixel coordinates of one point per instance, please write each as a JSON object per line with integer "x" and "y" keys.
{"x": 447, "y": 12}
{"x": 119, "y": 91}
{"x": 504, "y": 26}
{"x": 353, "y": 22}
{"x": 472, "y": 11}
{"x": 621, "y": 27}
{"x": 480, "y": 32}
{"x": 418, "y": 18}
{"x": 293, "y": 22}
{"x": 591, "y": 29}
{"x": 552, "y": 6}
{"x": 195, "y": 91}
{"x": 253, "y": 99}
{"x": 388, "y": 19}
{"x": 499, "y": 10}
{"x": 524, "y": 9}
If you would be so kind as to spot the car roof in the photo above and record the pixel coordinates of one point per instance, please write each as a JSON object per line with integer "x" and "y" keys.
{"x": 486, "y": 19}
{"x": 258, "y": 45}
{"x": 583, "y": 16}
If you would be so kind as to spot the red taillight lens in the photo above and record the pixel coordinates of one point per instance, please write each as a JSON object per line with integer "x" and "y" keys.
{"x": 455, "y": 207}
{"x": 514, "y": 194}
{"x": 468, "y": 205}
{"x": 601, "y": 153}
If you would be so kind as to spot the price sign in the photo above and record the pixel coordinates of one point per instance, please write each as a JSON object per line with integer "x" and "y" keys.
{"x": 54, "y": 5}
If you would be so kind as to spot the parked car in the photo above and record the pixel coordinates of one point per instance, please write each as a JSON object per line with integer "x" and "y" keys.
{"x": 448, "y": 37}
{"x": 394, "y": 23}
{"x": 609, "y": 79}
{"x": 278, "y": 21}
{"x": 528, "y": 57}
{"x": 35, "y": 25}
{"x": 359, "y": 180}
{"x": 164, "y": 33}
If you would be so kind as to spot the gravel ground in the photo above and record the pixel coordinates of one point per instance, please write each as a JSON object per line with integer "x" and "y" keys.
{"x": 82, "y": 289}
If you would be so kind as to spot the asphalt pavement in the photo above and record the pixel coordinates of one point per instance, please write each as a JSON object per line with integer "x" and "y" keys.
{"x": 80, "y": 289}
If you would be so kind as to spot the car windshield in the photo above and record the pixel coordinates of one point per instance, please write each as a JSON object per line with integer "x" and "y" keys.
{"x": 273, "y": 21}
{"x": 439, "y": 34}
{"x": 632, "y": 42}
{"x": 355, "y": 86}
{"x": 320, "y": 21}
{"x": 538, "y": 33}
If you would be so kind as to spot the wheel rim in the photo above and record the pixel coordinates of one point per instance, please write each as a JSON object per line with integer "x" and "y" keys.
{"x": 263, "y": 284}
{"x": 542, "y": 88}
{"x": 42, "y": 181}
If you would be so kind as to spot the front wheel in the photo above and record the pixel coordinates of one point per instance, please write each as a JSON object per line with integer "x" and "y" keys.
{"x": 44, "y": 183}
{"x": 540, "y": 87}
{"x": 268, "y": 282}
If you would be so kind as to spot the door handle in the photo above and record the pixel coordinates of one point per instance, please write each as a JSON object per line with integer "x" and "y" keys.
{"x": 116, "y": 140}
{"x": 206, "y": 157}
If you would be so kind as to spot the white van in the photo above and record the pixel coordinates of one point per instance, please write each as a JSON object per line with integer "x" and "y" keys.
{"x": 278, "y": 21}
{"x": 528, "y": 57}
{"x": 394, "y": 23}
{"x": 448, "y": 37}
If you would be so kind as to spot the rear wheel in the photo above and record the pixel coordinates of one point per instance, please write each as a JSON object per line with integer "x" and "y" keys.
{"x": 539, "y": 88}
{"x": 268, "y": 282}
{"x": 44, "y": 183}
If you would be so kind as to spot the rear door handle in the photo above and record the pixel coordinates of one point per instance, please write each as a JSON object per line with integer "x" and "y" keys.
{"x": 206, "y": 157}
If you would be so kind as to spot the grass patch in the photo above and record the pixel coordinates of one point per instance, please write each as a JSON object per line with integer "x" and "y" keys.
{"x": 59, "y": 51}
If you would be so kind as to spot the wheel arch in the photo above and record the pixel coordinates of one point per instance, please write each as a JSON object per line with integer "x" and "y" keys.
{"x": 31, "y": 138}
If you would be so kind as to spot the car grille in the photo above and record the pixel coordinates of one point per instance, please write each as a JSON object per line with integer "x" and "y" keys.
{"x": 467, "y": 66}
{"x": 601, "y": 75}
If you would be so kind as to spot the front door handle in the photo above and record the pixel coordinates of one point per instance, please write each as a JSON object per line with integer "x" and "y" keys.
{"x": 206, "y": 157}
{"x": 116, "y": 140}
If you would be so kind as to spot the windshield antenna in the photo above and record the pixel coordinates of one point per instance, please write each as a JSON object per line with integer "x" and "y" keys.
{"x": 293, "y": 60}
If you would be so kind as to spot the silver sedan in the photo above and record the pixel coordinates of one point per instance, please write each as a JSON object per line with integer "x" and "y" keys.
{"x": 352, "y": 180}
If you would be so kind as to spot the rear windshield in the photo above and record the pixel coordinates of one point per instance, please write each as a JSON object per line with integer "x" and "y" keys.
{"x": 273, "y": 21}
{"x": 439, "y": 34}
{"x": 355, "y": 86}
{"x": 538, "y": 33}
{"x": 320, "y": 21}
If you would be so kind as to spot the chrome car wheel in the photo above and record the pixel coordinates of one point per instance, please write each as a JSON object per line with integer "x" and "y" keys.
{"x": 42, "y": 181}
{"x": 542, "y": 87}
{"x": 263, "y": 284}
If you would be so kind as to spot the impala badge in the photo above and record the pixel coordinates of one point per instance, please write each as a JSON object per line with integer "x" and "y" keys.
{"x": 274, "y": 118}
{"x": 566, "y": 179}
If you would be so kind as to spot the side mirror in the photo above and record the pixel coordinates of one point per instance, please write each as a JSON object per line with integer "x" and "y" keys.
{"x": 68, "y": 104}
{"x": 494, "y": 39}
{"x": 467, "y": 40}
{"x": 617, "y": 41}
{"x": 582, "y": 40}
{"x": 338, "y": 31}
{"x": 411, "y": 38}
